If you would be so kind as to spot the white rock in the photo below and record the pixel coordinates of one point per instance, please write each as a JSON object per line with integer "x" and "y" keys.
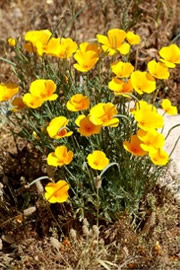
{"x": 169, "y": 122}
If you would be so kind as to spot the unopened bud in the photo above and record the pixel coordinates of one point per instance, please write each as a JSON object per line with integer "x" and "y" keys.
{"x": 39, "y": 187}
{"x": 95, "y": 230}
{"x": 98, "y": 182}
{"x": 29, "y": 211}
{"x": 85, "y": 222}
{"x": 85, "y": 230}
{"x": 73, "y": 234}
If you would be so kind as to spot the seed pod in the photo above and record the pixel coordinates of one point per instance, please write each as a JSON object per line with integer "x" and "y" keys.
{"x": 98, "y": 182}
{"x": 85, "y": 230}
{"x": 95, "y": 230}
{"x": 73, "y": 234}
{"x": 29, "y": 211}
{"x": 39, "y": 187}
{"x": 85, "y": 222}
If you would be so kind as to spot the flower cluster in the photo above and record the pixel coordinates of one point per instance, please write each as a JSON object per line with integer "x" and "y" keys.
{"x": 42, "y": 42}
{"x": 87, "y": 111}
{"x": 148, "y": 140}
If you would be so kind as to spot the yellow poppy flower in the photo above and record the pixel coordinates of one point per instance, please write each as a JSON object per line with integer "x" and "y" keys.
{"x": 124, "y": 48}
{"x": 120, "y": 88}
{"x": 60, "y": 157}
{"x": 7, "y": 91}
{"x": 121, "y": 69}
{"x": 67, "y": 47}
{"x": 52, "y": 47}
{"x": 78, "y": 102}
{"x": 61, "y": 47}
{"x": 28, "y": 46}
{"x": 170, "y": 55}
{"x": 38, "y": 40}
{"x": 57, "y": 192}
{"x": 134, "y": 146}
{"x": 103, "y": 114}
{"x": 143, "y": 82}
{"x": 147, "y": 116}
{"x": 113, "y": 42}
{"x": 17, "y": 104}
{"x": 57, "y": 128}
{"x": 31, "y": 101}
{"x": 35, "y": 136}
{"x": 132, "y": 38}
{"x": 151, "y": 140}
{"x": 168, "y": 107}
{"x": 160, "y": 157}
{"x": 11, "y": 42}
{"x": 43, "y": 89}
{"x": 97, "y": 160}
{"x": 86, "y": 56}
{"x": 86, "y": 127}
{"x": 158, "y": 70}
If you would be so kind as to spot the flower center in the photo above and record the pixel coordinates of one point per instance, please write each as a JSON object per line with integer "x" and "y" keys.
{"x": 62, "y": 132}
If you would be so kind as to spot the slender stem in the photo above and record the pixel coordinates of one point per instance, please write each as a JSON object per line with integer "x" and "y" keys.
{"x": 98, "y": 201}
{"x": 74, "y": 178}
{"x": 7, "y": 61}
{"x": 123, "y": 116}
{"x": 38, "y": 179}
{"x": 178, "y": 125}
{"x": 108, "y": 166}
{"x": 174, "y": 146}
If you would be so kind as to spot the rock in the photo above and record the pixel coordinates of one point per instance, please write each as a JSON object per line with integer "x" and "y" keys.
{"x": 172, "y": 177}
{"x": 170, "y": 121}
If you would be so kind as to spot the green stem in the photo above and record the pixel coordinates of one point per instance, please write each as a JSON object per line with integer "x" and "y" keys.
{"x": 38, "y": 179}
{"x": 174, "y": 146}
{"x": 108, "y": 166}
{"x": 178, "y": 125}
{"x": 7, "y": 61}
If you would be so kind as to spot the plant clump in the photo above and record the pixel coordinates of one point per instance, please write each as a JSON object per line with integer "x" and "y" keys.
{"x": 94, "y": 115}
